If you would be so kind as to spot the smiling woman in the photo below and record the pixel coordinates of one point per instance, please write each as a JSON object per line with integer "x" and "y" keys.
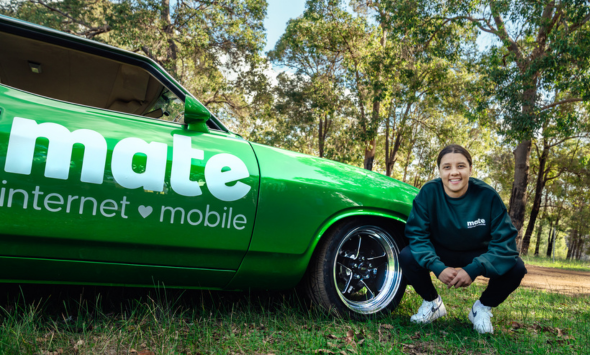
{"x": 454, "y": 164}
{"x": 460, "y": 222}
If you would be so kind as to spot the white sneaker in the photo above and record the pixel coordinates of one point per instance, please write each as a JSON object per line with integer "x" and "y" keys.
{"x": 429, "y": 311}
{"x": 480, "y": 317}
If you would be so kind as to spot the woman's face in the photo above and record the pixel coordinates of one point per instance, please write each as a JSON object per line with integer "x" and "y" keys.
{"x": 454, "y": 171}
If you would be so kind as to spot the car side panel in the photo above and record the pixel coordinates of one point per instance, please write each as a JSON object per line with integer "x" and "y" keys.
{"x": 300, "y": 196}
{"x": 18, "y": 270}
{"x": 141, "y": 231}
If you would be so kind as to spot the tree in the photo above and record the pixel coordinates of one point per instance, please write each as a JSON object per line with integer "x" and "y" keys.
{"x": 540, "y": 62}
{"x": 560, "y": 164}
{"x": 314, "y": 94}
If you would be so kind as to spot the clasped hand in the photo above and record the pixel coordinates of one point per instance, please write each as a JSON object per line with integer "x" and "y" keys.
{"x": 456, "y": 278}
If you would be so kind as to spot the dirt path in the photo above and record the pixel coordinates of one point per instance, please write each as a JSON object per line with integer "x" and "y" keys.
{"x": 554, "y": 280}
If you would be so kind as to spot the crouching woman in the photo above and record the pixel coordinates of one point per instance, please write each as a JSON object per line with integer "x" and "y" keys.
{"x": 460, "y": 222}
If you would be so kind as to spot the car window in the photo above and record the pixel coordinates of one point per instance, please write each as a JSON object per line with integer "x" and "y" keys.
{"x": 82, "y": 78}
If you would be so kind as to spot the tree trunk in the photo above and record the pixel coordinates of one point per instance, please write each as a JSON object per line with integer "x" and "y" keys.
{"x": 548, "y": 253}
{"x": 409, "y": 154}
{"x": 376, "y": 114}
{"x": 538, "y": 243}
{"x": 407, "y": 164}
{"x": 370, "y": 154}
{"x": 517, "y": 206}
{"x": 387, "y": 158}
{"x": 577, "y": 245}
{"x": 324, "y": 129}
{"x": 541, "y": 227}
{"x": 572, "y": 247}
{"x": 554, "y": 239}
{"x": 541, "y": 178}
{"x": 394, "y": 150}
{"x": 580, "y": 248}
{"x": 398, "y": 141}
{"x": 169, "y": 30}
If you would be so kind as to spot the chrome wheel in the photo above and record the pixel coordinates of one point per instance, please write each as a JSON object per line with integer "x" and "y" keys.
{"x": 366, "y": 269}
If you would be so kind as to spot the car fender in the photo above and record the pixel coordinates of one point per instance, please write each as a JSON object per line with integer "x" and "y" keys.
{"x": 300, "y": 198}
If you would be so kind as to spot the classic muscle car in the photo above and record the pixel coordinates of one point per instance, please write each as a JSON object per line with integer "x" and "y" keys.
{"x": 96, "y": 188}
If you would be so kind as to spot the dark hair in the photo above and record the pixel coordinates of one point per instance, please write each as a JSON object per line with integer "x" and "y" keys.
{"x": 453, "y": 148}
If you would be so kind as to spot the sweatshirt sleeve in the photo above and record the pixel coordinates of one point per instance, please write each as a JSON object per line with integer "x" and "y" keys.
{"x": 418, "y": 232}
{"x": 502, "y": 254}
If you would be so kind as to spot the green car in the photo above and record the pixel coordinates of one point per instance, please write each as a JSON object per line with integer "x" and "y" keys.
{"x": 97, "y": 188}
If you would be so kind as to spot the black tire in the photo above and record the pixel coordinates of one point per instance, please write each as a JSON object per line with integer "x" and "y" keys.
{"x": 355, "y": 271}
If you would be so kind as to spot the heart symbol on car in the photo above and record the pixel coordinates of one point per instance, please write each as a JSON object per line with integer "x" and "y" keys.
{"x": 145, "y": 211}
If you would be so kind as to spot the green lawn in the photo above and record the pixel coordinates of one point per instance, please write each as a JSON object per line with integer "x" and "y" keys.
{"x": 93, "y": 320}
{"x": 558, "y": 264}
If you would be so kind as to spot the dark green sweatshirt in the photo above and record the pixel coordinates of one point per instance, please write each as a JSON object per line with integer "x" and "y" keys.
{"x": 473, "y": 221}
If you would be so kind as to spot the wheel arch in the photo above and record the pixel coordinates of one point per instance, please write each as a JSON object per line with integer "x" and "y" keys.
{"x": 343, "y": 217}
{"x": 346, "y": 215}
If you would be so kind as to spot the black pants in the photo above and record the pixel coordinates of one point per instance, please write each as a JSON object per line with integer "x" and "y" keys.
{"x": 499, "y": 288}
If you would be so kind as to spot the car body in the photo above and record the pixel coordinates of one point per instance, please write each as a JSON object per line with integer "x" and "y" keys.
{"x": 95, "y": 190}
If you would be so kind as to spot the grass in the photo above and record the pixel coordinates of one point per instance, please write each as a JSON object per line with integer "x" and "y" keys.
{"x": 101, "y": 320}
{"x": 578, "y": 265}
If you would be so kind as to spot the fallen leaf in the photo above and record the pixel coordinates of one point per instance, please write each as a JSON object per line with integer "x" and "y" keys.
{"x": 331, "y": 336}
{"x": 79, "y": 343}
{"x": 386, "y": 326}
{"x": 516, "y": 325}
{"x": 146, "y": 352}
{"x": 349, "y": 337}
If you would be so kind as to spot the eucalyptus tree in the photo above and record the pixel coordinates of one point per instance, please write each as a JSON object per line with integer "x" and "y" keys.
{"x": 549, "y": 168}
{"x": 314, "y": 93}
{"x": 329, "y": 47}
{"x": 422, "y": 87}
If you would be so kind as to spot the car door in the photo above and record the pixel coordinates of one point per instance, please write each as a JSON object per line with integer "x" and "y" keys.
{"x": 92, "y": 184}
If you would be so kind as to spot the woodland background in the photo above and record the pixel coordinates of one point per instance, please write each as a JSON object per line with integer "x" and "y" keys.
{"x": 385, "y": 85}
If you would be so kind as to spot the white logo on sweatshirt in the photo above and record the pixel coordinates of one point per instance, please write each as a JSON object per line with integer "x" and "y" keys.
{"x": 476, "y": 223}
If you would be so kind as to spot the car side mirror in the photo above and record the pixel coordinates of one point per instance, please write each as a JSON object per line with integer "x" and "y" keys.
{"x": 196, "y": 115}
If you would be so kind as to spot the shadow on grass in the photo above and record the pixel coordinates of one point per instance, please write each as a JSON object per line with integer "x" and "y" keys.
{"x": 67, "y": 301}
